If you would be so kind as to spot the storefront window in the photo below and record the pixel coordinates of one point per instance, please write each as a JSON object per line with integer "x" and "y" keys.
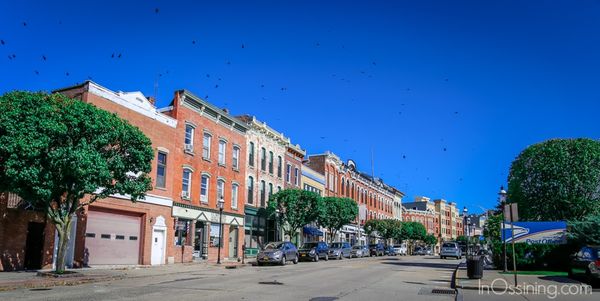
{"x": 215, "y": 237}
{"x": 181, "y": 232}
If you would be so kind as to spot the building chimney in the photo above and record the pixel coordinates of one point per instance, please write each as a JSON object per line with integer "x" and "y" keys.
{"x": 226, "y": 110}
{"x": 152, "y": 100}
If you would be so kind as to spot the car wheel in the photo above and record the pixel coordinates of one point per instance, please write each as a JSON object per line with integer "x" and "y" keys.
{"x": 442, "y": 257}
{"x": 316, "y": 258}
{"x": 295, "y": 259}
{"x": 260, "y": 264}
{"x": 340, "y": 257}
{"x": 282, "y": 262}
{"x": 326, "y": 257}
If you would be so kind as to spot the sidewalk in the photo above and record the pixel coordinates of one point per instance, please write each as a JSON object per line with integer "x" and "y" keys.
{"x": 499, "y": 286}
{"x": 30, "y": 279}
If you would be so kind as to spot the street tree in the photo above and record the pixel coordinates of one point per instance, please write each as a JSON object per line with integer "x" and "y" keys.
{"x": 386, "y": 228}
{"x": 60, "y": 154}
{"x": 411, "y": 232}
{"x": 430, "y": 240}
{"x": 585, "y": 232}
{"x": 296, "y": 209}
{"x": 557, "y": 179}
{"x": 335, "y": 213}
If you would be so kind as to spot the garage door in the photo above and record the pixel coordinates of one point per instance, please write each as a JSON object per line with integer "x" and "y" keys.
{"x": 112, "y": 238}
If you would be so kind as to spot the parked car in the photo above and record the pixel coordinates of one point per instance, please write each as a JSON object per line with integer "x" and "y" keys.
{"x": 586, "y": 263}
{"x": 450, "y": 249}
{"x": 357, "y": 251}
{"x": 376, "y": 249}
{"x": 400, "y": 249}
{"x": 339, "y": 250}
{"x": 390, "y": 251}
{"x": 419, "y": 251}
{"x": 278, "y": 252}
{"x": 366, "y": 251}
{"x": 313, "y": 251}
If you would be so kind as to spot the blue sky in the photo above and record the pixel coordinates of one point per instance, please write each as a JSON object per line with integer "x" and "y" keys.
{"x": 444, "y": 93}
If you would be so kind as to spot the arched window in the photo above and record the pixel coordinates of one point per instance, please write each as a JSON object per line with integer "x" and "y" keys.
{"x": 343, "y": 186}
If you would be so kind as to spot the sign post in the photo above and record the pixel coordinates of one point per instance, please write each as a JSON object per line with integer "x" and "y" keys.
{"x": 512, "y": 231}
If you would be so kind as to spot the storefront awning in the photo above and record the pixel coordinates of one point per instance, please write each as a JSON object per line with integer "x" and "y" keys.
{"x": 308, "y": 230}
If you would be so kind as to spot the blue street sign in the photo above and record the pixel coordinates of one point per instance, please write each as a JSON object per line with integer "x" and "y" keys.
{"x": 552, "y": 233}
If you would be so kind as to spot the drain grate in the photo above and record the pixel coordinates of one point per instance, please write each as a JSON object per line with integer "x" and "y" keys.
{"x": 271, "y": 282}
{"x": 40, "y": 289}
{"x": 323, "y": 299}
{"x": 442, "y": 291}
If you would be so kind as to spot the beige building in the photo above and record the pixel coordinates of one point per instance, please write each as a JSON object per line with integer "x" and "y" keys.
{"x": 312, "y": 180}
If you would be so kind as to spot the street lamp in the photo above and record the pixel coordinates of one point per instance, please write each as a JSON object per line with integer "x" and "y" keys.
{"x": 220, "y": 205}
{"x": 502, "y": 196}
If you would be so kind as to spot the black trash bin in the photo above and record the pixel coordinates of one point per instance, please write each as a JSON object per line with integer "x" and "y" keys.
{"x": 474, "y": 266}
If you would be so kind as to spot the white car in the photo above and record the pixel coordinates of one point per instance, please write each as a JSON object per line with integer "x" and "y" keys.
{"x": 400, "y": 249}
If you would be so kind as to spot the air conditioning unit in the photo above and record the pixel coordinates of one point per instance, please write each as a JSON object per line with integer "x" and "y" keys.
{"x": 189, "y": 148}
{"x": 185, "y": 195}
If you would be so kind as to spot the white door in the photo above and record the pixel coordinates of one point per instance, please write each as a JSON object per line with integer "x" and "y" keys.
{"x": 158, "y": 247}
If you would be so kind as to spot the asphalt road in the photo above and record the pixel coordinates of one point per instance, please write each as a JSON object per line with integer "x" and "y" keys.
{"x": 379, "y": 278}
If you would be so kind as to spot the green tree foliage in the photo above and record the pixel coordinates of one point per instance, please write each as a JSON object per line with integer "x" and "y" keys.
{"x": 430, "y": 240}
{"x": 296, "y": 209}
{"x": 586, "y": 231}
{"x": 61, "y": 154}
{"x": 336, "y": 212}
{"x": 557, "y": 180}
{"x": 386, "y": 228}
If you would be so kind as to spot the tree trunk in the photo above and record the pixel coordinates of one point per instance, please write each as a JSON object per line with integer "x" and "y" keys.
{"x": 64, "y": 236}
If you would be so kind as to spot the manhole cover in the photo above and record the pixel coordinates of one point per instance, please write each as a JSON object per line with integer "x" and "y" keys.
{"x": 441, "y": 291}
{"x": 323, "y": 299}
{"x": 271, "y": 282}
{"x": 40, "y": 289}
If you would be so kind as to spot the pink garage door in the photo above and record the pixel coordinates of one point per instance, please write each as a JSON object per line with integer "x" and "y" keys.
{"x": 112, "y": 238}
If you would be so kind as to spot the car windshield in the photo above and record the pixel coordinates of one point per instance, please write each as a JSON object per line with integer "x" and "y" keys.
{"x": 273, "y": 246}
{"x": 336, "y": 245}
{"x": 309, "y": 245}
{"x": 357, "y": 247}
{"x": 448, "y": 245}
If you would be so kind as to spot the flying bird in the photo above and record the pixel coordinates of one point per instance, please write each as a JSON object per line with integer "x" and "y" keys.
{"x": 403, "y": 156}
{"x": 207, "y": 75}
{"x": 44, "y": 57}
{"x": 36, "y": 72}
{"x": 216, "y": 86}
{"x": 119, "y": 56}
{"x": 444, "y": 149}
{"x": 67, "y": 73}
{"x": 156, "y": 10}
{"x": 2, "y": 42}
{"x": 113, "y": 55}
{"x": 228, "y": 63}
{"x": 242, "y": 46}
{"x": 24, "y": 23}
{"x": 194, "y": 42}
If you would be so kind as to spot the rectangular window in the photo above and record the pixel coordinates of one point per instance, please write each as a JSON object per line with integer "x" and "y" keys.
{"x": 120, "y": 237}
{"x": 215, "y": 235}
{"x": 132, "y": 237}
{"x": 250, "y": 190}
{"x": 206, "y": 146}
{"x": 234, "y": 196}
{"x": 91, "y": 235}
{"x": 222, "y": 148}
{"x": 220, "y": 190}
{"x": 186, "y": 179}
{"x": 204, "y": 185}
{"x": 161, "y": 170}
{"x": 288, "y": 173}
{"x": 262, "y": 193}
{"x": 189, "y": 136}
{"x": 296, "y": 177}
{"x": 263, "y": 159}
{"x": 270, "y": 190}
{"x": 251, "y": 154}
{"x": 105, "y": 236}
{"x": 181, "y": 232}
{"x": 279, "y": 166}
{"x": 235, "y": 158}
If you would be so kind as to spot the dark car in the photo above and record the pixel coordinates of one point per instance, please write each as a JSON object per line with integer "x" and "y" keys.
{"x": 339, "y": 250}
{"x": 376, "y": 249}
{"x": 390, "y": 251}
{"x": 278, "y": 252}
{"x": 314, "y": 251}
{"x": 586, "y": 263}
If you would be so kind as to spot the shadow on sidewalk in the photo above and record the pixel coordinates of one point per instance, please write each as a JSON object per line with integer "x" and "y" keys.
{"x": 432, "y": 265}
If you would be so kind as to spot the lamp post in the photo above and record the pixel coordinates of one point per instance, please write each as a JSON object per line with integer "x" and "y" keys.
{"x": 465, "y": 229}
{"x": 220, "y": 204}
{"x": 502, "y": 195}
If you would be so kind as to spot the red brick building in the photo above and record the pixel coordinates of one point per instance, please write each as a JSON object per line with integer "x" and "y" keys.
{"x": 294, "y": 156}
{"x": 375, "y": 198}
{"x": 210, "y": 165}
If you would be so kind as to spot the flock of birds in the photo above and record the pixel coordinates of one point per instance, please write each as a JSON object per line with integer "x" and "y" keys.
{"x": 119, "y": 55}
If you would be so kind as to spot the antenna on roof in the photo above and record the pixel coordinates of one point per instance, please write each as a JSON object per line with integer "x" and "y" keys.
{"x": 156, "y": 87}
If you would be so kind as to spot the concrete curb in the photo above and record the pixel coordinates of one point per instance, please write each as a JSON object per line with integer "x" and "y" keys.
{"x": 59, "y": 282}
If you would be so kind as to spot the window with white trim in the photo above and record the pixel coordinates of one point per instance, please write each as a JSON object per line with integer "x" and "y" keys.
{"x": 235, "y": 158}
{"x": 296, "y": 177}
{"x": 186, "y": 179}
{"x": 220, "y": 190}
{"x": 161, "y": 170}
{"x": 288, "y": 173}
{"x": 250, "y": 190}
{"x": 204, "y": 186}
{"x": 206, "y": 146}
{"x": 189, "y": 135}
{"x": 222, "y": 150}
{"x": 234, "y": 195}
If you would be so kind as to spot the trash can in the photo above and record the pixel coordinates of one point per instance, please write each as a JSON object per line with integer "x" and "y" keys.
{"x": 474, "y": 266}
